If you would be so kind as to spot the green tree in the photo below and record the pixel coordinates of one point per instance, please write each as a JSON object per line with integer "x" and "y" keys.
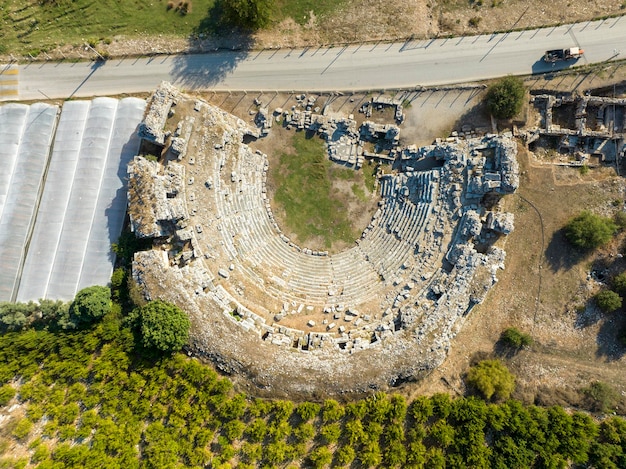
{"x": 506, "y": 97}
{"x": 304, "y": 432}
{"x": 22, "y": 429}
{"x": 492, "y": 379}
{"x": 619, "y": 283}
{"x": 608, "y": 301}
{"x": 330, "y": 433}
{"x": 307, "y": 410}
{"x": 345, "y": 455}
{"x": 164, "y": 326}
{"x": 601, "y": 397}
{"x": 247, "y": 14}
{"x": 370, "y": 455}
{"x": 332, "y": 411}
{"x": 441, "y": 405}
{"x": 514, "y": 338}
{"x": 90, "y": 304}
{"x": 421, "y": 409}
{"x": 588, "y": 231}
{"x": 14, "y": 316}
{"x": 320, "y": 457}
{"x": 6, "y": 394}
{"x": 233, "y": 430}
{"x": 257, "y": 430}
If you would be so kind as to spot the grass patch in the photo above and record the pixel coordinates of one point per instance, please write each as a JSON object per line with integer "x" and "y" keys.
{"x": 344, "y": 174}
{"x": 39, "y": 26}
{"x": 304, "y": 183}
{"x": 300, "y": 10}
{"x": 32, "y": 24}
{"x": 359, "y": 192}
{"x": 369, "y": 174}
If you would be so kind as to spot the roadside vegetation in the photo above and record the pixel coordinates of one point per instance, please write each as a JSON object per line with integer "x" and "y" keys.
{"x": 33, "y": 26}
{"x": 247, "y": 14}
{"x": 505, "y": 98}
{"x": 60, "y": 28}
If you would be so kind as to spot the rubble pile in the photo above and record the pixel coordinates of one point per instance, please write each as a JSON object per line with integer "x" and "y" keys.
{"x": 160, "y": 105}
{"x": 156, "y": 204}
{"x": 381, "y": 102}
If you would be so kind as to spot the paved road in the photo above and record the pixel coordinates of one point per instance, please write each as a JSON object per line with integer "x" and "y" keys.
{"x": 357, "y": 67}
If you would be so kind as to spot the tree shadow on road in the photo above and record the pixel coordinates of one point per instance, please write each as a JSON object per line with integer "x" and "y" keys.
{"x": 543, "y": 67}
{"x": 216, "y": 48}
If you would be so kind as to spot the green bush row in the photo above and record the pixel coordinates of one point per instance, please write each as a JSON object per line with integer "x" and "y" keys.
{"x": 98, "y": 402}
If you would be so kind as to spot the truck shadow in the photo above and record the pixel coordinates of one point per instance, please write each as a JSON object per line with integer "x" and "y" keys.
{"x": 543, "y": 67}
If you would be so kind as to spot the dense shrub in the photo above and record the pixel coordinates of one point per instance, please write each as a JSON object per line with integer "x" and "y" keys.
{"x": 164, "y": 326}
{"x": 589, "y": 231}
{"x": 16, "y": 316}
{"x": 514, "y": 338}
{"x": 247, "y": 14}
{"x": 608, "y": 301}
{"x": 118, "y": 283}
{"x": 506, "y": 97}
{"x": 90, "y": 304}
{"x": 6, "y": 394}
{"x": 619, "y": 283}
{"x": 127, "y": 245}
{"x": 492, "y": 379}
{"x": 620, "y": 219}
{"x": 601, "y": 396}
{"x": 320, "y": 457}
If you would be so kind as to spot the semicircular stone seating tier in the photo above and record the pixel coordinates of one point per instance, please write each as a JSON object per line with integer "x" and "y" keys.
{"x": 209, "y": 206}
{"x": 252, "y": 236}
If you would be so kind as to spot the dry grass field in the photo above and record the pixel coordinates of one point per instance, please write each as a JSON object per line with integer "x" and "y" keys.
{"x": 60, "y": 29}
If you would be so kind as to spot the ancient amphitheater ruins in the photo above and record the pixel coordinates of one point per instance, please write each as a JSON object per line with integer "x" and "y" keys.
{"x": 289, "y": 319}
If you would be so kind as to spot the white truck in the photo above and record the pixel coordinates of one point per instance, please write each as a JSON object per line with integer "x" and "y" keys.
{"x": 572, "y": 53}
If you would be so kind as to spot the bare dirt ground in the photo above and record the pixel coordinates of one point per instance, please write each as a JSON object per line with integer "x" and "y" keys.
{"x": 382, "y": 20}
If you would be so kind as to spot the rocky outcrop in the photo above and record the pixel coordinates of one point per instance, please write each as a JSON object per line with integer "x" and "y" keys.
{"x": 155, "y": 198}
